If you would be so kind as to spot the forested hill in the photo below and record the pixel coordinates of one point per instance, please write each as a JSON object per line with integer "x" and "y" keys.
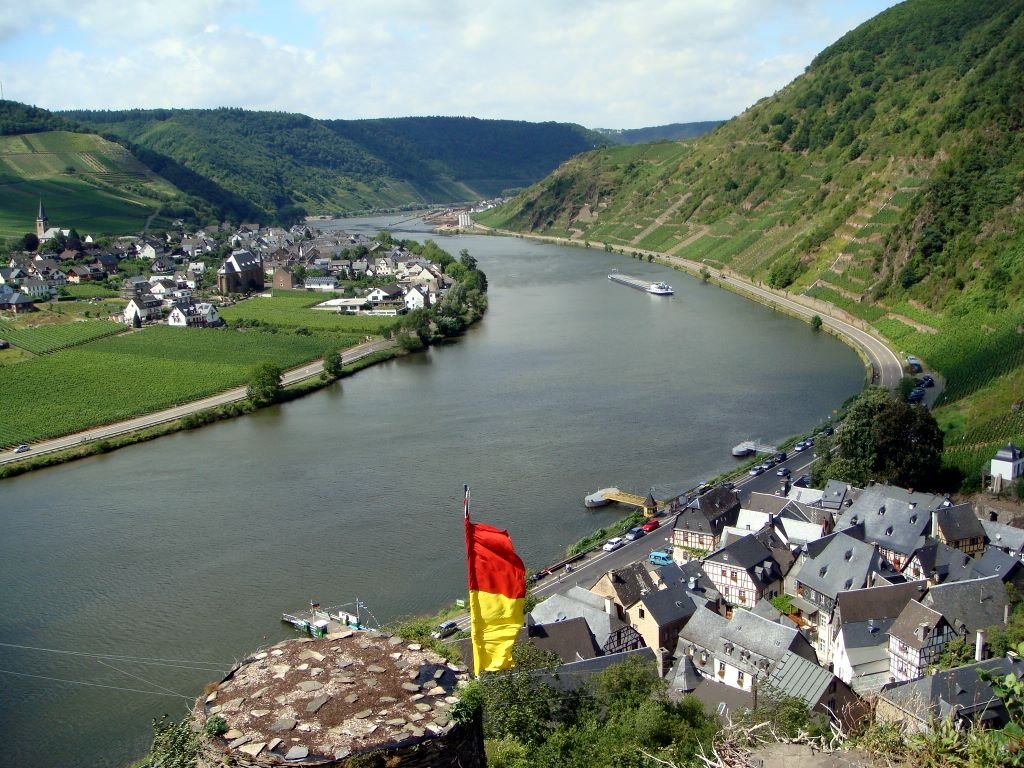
{"x": 279, "y": 160}
{"x": 887, "y": 179}
{"x": 670, "y": 132}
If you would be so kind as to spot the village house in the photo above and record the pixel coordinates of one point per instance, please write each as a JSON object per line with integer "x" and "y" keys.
{"x": 698, "y": 528}
{"x": 624, "y": 587}
{"x": 958, "y": 527}
{"x": 611, "y": 633}
{"x": 961, "y": 695}
{"x": 283, "y": 278}
{"x": 938, "y": 562}
{"x": 17, "y": 302}
{"x": 1007, "y": 466}
{"x": 326, "y": 284}
{"x": 744, "y": 572}
{"x": 819, "y": 689}
{"x": 145, "y": 306}
{"x": 416, "y": 298}
{"x": 844, "y": 563}
{"x": 740, "y": 651}
{"x": 860, "y": 655}
{"x": 198, "y": 315}
{"x": 916, "y": 640}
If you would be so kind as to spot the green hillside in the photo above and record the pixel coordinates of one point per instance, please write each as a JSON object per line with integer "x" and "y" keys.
{"x": 888, "y": 180}
{"x": 670, "y": 132}
{"x": 84, "y": 180}
{"x": 278, "y": 161}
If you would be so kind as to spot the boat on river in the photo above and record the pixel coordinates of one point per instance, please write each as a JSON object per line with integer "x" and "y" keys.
{"x": 318, "y": 622}
{"x": 745, "y": 448}
{"x": 657, "y": 288}
{"x": 598, "y": 498}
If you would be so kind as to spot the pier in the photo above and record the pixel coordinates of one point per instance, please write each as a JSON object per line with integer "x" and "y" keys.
{"x": 607, "y": 495}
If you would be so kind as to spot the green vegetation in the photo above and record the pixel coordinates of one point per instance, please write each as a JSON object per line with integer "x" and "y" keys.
{"x": 885, "y": 180}
{"x": 131, "y": 374}
{"x": 295, "y": 309}
{"x": 264, "y": 384}
{"x": 45, "y": 339}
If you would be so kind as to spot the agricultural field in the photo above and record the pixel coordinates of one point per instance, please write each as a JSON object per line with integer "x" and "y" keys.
{"x": 46, "y": 339}
{"x": 88, "y": 291}
{"x": 124, "y": 376}
{"x": 294, "y": 309}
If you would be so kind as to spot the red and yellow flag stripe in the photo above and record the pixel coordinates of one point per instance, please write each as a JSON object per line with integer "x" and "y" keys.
{"x": 497, "y": 591}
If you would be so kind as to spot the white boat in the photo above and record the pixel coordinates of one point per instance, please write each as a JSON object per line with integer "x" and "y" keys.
{"x": 597, "y": 498}
{"x": 745, "y": 448}
{"x": 660, "y": 289}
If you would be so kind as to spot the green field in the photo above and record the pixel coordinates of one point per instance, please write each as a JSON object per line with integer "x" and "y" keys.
{"x": 84, "y": 181}
{"x": 135, "y": 373}
{"x": 51, "y": 338}
{"x": 293, "y": 309}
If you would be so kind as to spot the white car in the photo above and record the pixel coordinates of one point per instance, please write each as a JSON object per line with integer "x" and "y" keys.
{"x": 612, "y": 544}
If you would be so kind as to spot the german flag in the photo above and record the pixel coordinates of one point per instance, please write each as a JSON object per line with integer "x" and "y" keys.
{"x": 497, "y": 590}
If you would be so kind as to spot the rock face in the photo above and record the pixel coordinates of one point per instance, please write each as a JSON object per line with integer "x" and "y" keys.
{"x": 373, "y": 697}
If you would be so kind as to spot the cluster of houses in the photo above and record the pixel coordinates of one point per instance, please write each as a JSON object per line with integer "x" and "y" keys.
{"x": 296, "y": 258}
{"x": 870, "y": 585}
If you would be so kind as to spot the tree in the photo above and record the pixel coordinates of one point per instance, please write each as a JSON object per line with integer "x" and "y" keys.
{"x": 332, "y": 364}
{"x": 264, "y": 384}
{"x": 883, "y": 438}
{"x": 816, "y": 323}
{"x": 136, "y": 320}
{"x": 29, "y": 242}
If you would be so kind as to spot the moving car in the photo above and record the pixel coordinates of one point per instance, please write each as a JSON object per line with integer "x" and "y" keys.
{"x": 444, "y": 629}
{"x": 651, "y": 525}
{"x": 801, "y": 446}
{"x": 783, "y": 472}
{"x": 756, "y": 470}
{"x": 634, "y": 534}
{"x": 21, "y": 448}
{"x": 612, "y": 544}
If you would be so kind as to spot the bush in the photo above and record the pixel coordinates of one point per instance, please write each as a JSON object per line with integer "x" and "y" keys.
{"x": 216, "y": 726}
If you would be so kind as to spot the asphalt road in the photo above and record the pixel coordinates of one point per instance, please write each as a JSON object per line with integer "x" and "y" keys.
{"x": 159, "y": 417}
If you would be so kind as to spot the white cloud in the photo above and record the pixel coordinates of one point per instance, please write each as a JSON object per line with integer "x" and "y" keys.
{"x": 603, "y": 63}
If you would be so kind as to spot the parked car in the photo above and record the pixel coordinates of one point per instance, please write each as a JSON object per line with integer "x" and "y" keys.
{"x": 783, "y": 472}
{"x": 756, "y": 470}
{"x": 781, "y": 456}
{"x": 801, "y": 446}
{"x": 828, "y": 431}
{"x": 927, "y": 381}
{"x": 634, "y": 534}
{"x": 916, "y": 395}
{"x": 651, "y": 525}
{"x": 660, "y": 557}
{"x": 444, "y": 629}
{"x": 22, "y": 448}
{"x": 703, "y": 488}
{"x": 612, "y": 544}
{"x": 727, "y": 485}
{"x": 804, "y": 481}
{"x": 913, "y": 364}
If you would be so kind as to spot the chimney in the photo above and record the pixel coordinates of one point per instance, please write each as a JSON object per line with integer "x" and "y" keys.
{"x": 871, "y": 626}
{"x": 935, "y": 523}
{"x": 609, "y": 606}
{"x": 979, "y": 646}
{"x": 692, "y": 583}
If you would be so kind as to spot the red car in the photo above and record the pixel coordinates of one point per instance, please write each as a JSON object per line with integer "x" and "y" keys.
{"x": 650, "y": 525}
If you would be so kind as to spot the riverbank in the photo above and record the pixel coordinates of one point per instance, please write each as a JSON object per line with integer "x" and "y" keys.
{"x": 883, "y": 365}
{"x": 296, "y": 383}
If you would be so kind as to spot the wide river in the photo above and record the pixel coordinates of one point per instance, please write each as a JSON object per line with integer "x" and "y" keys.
{"x": 146, "y": 570}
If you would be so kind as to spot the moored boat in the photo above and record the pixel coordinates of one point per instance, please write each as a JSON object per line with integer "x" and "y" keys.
{"x": 745, "y": 448}
{"x": 597, "y": 498}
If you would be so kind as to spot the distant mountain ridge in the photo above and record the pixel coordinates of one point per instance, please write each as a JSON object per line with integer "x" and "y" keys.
{"x": 670, "y": 132}
{"x": 888, "y": 180}
{"x": 277, "y": 160}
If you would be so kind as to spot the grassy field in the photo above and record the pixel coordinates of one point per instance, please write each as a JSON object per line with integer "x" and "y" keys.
{"x": 85, "y": 182}
{"x": 293, "y": 309}
{"x": 123, "y": 376}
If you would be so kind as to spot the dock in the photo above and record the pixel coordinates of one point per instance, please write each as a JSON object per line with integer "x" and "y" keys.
{"x": 318, "y": 622}
{"x": 608, "y": 495}
{"x": 748, "y": 447}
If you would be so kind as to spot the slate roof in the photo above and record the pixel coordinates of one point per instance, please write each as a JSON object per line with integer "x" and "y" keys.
{"x": 716, "y": 502}
{"x": 960, "y": 691}
{"x": 630, "y": 583}
{"x": 673, "y": 575}
{"x": 668, "y": 606}
{"x": 1006, "y": 537}
{"x": 571, "y": 639}
{"x": 750, "y": 554}
{"x": 905, "y": 628}
{"x": 574, "y": 602}
{"x": 795, "y": 676}
{"x": 843, "y": 564}
{"x": 894, "y": 518}
{"x": 885, "y": 602}
{"x": 995, "y": 562}
{"x": 240, "y": 261}
{"x": 765, "y": 502}
{"x": 866, "y": 634}
{"x": 958, "y": 522}
{"x": 835, "y": 494}
{"x": 975, "y": 604}
{"x": 1009, "y": 452}
{"x": 943, "y": 562}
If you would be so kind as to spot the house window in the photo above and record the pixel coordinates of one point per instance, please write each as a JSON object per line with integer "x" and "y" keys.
{"x": 732, "y": 576}
{"x": 641, "y": 613}
{"x": 721, "y": 669}
{"x": 743, "y": 596}
{"x": 739, "y": 678}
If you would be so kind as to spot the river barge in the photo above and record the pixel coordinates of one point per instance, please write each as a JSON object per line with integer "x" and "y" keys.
{"x": 318, "y": 622}
{"x": 657, "y": 288}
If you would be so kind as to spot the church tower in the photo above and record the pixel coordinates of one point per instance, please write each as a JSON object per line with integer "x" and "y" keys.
{"x": 42, "y": 223}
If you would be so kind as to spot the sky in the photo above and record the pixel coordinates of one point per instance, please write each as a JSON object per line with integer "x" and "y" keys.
{"x": 599, "y": 63}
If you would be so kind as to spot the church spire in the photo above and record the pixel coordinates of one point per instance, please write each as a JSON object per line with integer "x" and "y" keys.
{"x": 42, "y": 224}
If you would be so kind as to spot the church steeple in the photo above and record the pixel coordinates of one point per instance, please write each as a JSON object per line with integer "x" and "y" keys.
{"x": 42, "y": 223}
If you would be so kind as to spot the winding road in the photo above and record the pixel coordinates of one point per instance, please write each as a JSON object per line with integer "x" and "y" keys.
{"x": 292, "y": 376}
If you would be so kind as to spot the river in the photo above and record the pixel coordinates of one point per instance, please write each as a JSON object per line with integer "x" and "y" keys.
{"x": 152, "y": 566}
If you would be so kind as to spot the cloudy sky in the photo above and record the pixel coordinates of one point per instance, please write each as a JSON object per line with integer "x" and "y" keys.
{"x": 600, "y": 63}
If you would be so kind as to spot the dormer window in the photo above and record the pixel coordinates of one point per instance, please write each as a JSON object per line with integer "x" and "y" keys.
{"x": 848, "y": 554}
{"x": 888, "y": 531}
{"x": 881, "y": 510}
{"x": 823, "y": 570}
